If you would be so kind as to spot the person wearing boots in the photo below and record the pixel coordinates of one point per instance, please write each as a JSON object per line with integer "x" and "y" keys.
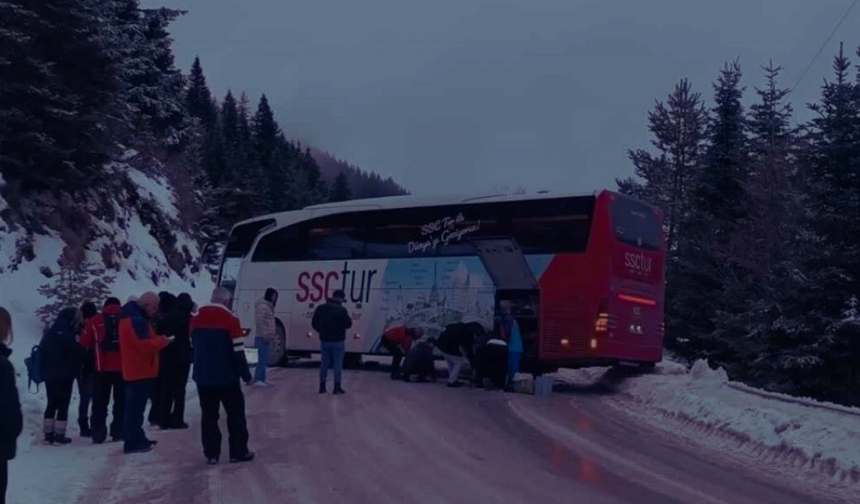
{"x": 101, "y": 336}
{"x": 219, "y": 364}
{"x": 159, "y": 392}
{"x": 11, "y": 418}
{"x": 85, "y": 378}
{"x": 62, "y": 361}
{"x": 330, "y": 321}
{"x": 175, "y": 362}
{"x": 140, "y": 350}
{"x": 398, "y": 341}
{"x": 264, "y": 320}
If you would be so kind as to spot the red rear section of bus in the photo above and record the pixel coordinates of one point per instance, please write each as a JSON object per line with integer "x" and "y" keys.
{"x": 606, "y": 306}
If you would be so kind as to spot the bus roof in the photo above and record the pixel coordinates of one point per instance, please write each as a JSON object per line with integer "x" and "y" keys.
{"x": 408, "y": 201}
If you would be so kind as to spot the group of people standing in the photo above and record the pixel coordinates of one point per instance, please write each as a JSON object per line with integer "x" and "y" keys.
{"x": 84, "y": 344}
{"x": 142, "y": 352}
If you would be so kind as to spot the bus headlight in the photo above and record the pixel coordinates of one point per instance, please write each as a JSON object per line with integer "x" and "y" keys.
{"x": 593, "y": 343}
{"x": 310, "y": 335}
{"x": 565, "y": 342}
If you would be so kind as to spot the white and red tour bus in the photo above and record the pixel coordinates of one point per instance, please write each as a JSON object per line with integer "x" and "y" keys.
{"x": 583, "y": 274}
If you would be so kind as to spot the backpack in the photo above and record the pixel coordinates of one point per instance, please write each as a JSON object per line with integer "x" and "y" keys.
{"x": 110, "y": 343}
{"x": 35, "y": 364}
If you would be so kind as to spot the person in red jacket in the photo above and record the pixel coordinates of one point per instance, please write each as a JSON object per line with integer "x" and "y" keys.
{"x": 101, "y": 337}
{"x": 139, "y": 352}
{"x": 398, "y": 341}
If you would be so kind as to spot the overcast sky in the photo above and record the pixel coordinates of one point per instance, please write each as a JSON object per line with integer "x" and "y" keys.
{"x": 473, "y": 95}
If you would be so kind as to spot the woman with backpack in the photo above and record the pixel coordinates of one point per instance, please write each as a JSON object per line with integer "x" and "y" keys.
{"x": 11, "y": 419}
{"x": 62, "y": 364}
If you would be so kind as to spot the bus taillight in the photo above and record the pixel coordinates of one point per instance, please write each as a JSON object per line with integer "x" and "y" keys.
{"x": 605, "y": 321}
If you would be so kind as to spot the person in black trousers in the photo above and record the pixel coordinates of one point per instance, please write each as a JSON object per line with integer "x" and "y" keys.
{"x": 219, "y": 364}
{"x": 62, "y": 361}
{"x": 156, "y": 410}
{"x": 88, "y": 369}
{"x": 101, "y": 336}
{"x": 175, "y": 362}
{"x": 11, "y": 419}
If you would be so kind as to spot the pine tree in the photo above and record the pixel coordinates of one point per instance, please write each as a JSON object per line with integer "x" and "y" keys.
{"x": 59, "y": 96}
{"x": 198, "y": 99}
{"x": 679, "y": 128}
{"x": 340, "y": 189}
{"x": 154, "y": 87}
{"x": 73, "y": 285}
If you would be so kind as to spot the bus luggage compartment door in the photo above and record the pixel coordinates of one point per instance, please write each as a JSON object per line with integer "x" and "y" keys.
{"x": 505, "y": 263}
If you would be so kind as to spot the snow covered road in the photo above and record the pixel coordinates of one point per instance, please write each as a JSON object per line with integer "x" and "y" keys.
{"x": 393, "y": 442}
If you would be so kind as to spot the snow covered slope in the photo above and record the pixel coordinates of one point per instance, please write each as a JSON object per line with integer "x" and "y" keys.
{"x": 140, "y": 262}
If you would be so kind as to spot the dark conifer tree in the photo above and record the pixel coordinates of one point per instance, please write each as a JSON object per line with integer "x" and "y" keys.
{"x": 340, "y": 189}
{"x": 198, "y": 99}
{"x": 667, "y": 178}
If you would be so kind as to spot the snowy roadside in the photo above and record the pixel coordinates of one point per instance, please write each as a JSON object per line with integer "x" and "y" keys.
{"x": 775, "y": 433}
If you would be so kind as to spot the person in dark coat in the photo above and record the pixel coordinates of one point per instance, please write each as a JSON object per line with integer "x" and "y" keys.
{"x": 62, "y": 361}
{"x": 219, "y": 364}
{"x": 330, "y": 321}
{"x": 175, "y": 362}
{"x": 419, "y": 361}
{"x": 159, "y": 393}
{"x": 11, "y": 419}
{"x": 454, "y": 343}
{"x": 86, "y": 376}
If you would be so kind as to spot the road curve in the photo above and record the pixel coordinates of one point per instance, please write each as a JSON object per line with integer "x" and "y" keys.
{"x": 395, "y": 442}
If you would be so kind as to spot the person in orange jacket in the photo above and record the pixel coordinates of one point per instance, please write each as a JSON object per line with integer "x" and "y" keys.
{"x": 139, "y": 348}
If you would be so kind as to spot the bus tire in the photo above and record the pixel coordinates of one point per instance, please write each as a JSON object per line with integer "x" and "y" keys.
{"x": 278, "y": 346}
{"x": 352, "y": 360}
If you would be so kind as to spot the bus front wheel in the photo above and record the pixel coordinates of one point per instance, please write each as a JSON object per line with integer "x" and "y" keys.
{"x": 278, "y": 346}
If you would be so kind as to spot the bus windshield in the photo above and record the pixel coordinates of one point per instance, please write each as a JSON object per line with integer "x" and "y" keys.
{"x": 636, "y": 224}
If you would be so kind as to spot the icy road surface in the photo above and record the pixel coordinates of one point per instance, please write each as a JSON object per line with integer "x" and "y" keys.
{"x": 394, "y": 442}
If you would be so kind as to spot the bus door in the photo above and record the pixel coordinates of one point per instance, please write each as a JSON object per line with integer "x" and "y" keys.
{"x": 515, "y": 284}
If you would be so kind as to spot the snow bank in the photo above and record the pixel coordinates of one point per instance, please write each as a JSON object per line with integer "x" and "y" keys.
{"x": 702, "y": 405}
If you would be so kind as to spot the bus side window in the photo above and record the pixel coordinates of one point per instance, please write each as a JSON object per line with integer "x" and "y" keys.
{"x": 286, "y": 244}
{"x": 335, "y": 243}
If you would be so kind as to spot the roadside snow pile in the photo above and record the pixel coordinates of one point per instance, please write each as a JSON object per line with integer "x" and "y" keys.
{"x": 800, "y": 433}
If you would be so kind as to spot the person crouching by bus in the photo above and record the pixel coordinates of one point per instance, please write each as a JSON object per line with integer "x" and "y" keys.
{"x": 101, "y": 336}
{"x": 453, "y": 343}
{"x": 219, "y": 364}
{"x": 491, "y": 364}
{"x": 398, "y": 341}
{"x": 330, "y": 321}
{"x": 264, "y": 322}
{"x": 419, "y": 361}
{"x": 140, "y": 349}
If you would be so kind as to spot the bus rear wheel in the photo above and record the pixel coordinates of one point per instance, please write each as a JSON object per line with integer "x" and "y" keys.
{"x": 278, "y": 346}
{"x": 352, "y": 361}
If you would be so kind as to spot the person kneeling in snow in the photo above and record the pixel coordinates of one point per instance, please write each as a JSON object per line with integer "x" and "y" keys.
{"x": 219, "y": 364}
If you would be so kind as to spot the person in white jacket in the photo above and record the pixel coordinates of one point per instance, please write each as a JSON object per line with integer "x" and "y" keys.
{"x": 264, "y": 334}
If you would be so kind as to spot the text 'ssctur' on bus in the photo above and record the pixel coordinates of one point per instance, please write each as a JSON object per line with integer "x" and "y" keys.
{"x": 583, "y": 275}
